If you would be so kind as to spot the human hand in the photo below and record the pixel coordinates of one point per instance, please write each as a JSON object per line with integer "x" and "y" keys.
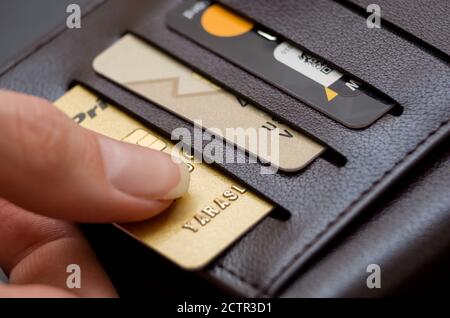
{"x": 53, "y": 172}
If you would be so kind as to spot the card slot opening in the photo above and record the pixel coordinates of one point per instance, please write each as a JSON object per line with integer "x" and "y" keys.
{"x": 396, "y": 111}
{"x": 399, "y": 31}
{"x": 334, "y": 157}
{"x": 280, "y": 214}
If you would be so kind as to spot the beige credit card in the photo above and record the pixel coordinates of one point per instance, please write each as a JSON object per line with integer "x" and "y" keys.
{"x": 150, "y": 73}
{"x": 196, "y": 228}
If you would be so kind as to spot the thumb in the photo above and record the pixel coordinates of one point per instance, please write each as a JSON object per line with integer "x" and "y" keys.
{"x": 50, "y": 165}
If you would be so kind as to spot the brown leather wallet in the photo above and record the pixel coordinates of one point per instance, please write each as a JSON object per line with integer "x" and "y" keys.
{"x": 375, "y": 208}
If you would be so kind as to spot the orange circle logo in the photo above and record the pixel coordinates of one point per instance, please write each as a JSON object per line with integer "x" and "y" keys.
{"x": 218, "y": 21}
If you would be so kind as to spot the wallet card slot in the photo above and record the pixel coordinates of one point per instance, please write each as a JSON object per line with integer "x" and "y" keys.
{"x": 133, "y": 105}
{"x": 116, "y": 96}
{"x": 423, "y": 22}
{"x": 144, "y": 69}
{"x": 143, "y": 110}
{"x": 293, "y": 112}
{"x": 281, "y": 63}
{"x": 341, "y": 37}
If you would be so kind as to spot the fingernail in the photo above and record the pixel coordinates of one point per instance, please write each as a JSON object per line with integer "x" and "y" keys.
{"x": 143, "y": 172}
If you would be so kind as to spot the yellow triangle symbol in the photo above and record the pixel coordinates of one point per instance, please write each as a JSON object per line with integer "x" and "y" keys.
{"x": 330, "y": 94}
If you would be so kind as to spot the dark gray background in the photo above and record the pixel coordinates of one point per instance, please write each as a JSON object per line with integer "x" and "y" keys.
{"x": 24, "y": 21}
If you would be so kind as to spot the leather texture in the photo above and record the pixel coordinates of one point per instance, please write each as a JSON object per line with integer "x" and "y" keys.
{"x": 324, "y": 198}
{"x": 32, "y": 26}
{"x": 427, "y": 20}
{"x": 406, "y": 235}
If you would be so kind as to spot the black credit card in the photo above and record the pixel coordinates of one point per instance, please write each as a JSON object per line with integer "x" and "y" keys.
{"x": 303, "y": 75}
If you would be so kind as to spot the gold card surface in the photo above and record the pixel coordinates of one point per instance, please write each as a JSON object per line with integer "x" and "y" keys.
{"x": 150, "y": 73}
{"x": 199, "y": 226}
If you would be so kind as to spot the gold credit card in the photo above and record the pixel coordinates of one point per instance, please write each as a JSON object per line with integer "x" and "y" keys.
{"x": 196, "y": 228}
{"x": 150, "y": 73}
